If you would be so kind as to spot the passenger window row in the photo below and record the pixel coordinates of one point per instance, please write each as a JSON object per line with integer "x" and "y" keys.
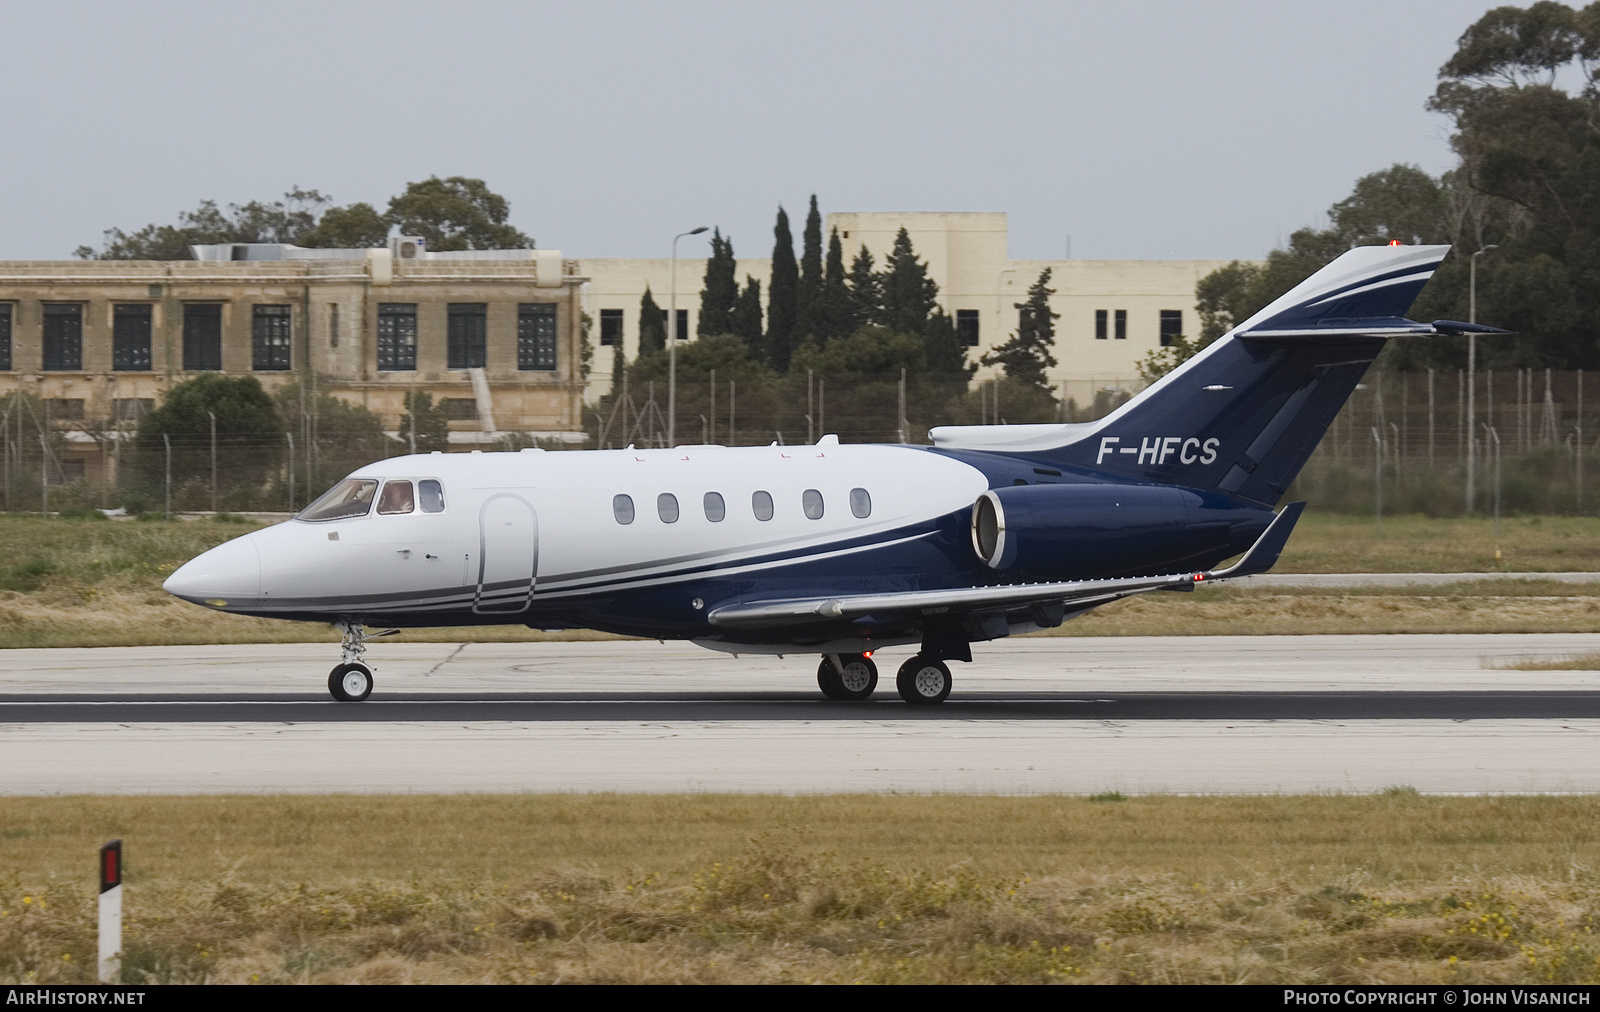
{"x": 716, "y": 508}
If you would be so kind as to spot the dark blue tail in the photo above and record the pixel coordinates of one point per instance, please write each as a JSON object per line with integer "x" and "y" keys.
{"x": 1243, "y": 415}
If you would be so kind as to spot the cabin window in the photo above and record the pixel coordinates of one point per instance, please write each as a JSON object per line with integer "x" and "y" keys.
{"x": 350, "y": 498}
{"x": 716, "y": 509}
{"x": 622, "y": 508}
{"x": 667, "y": 508}
{"x": 397, "y": 498}
{"x": 761, "y": 504}
{"x": 860, "y": 503}
{"x": 431, "y": 494}
{"x": 811, "y": 502}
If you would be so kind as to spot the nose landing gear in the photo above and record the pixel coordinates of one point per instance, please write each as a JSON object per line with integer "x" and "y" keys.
{"x": 351, "y": 680}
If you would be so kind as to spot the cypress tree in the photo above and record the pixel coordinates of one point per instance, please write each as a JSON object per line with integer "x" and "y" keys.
{"x": 721, "y": 288}
{"x": 746, "y": 316}
{"x": 652, "y": 325}
{"x": 1026, "y": 356}
{"x": 947, "y": 359}
{"x": 834, "y": 308}
{"x": 909, "y": 295}
{"x": 866, "y": 292}
{"x": 781, "y": 295}
{"x": 808, "y": 297}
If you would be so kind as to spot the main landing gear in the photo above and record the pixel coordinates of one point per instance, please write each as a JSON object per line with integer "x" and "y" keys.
{"x": 351, "y": 680}
{"x": 852, "y": 677}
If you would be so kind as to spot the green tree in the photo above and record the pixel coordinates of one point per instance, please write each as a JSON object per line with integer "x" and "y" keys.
{"x": 947, "y": 356}
{"x": 721, "y": 289}
{"x": 808, "y": 295}
{"x": 432, "y": 428}
{"x": 834, "y": 308}
{"x": 745, "y": 320}
{"x": 250, "y": 434}
{"x": 456, "y": 214}
{"x": 343, "y": 435}
{"x": 866, "y": 291}
{"x": 782, "y": 292}
{"x": 287, "y": 220}
{"x": 869, "y": 351}
{"x": 1026, "y": 357}
{"x": 359, "y": 226}
{"x": 908, "y": 294}
{"x": 652, "y": 325}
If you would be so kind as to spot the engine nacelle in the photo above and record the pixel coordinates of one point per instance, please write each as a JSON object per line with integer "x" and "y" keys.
{"x": 1065, "y": 532}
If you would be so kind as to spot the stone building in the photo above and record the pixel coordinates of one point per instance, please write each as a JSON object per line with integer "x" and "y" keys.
{"x": 496, "y": 339}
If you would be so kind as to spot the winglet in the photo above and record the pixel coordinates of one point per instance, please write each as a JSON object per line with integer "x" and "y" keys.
{"x": 1263, "y": 555}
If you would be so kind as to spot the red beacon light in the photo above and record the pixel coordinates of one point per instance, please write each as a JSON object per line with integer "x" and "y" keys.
{"x": 1394, "y": 242}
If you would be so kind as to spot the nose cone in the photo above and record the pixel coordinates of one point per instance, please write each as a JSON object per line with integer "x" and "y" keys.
{"x": 228, "y": 574}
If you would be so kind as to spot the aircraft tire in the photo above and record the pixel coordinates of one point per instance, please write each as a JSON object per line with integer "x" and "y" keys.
{"x": 350, "y": 683}
{"x": 859, "y": 679}
{"x": 923, "y": 681}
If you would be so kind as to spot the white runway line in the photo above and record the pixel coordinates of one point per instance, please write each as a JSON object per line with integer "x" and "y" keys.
{"x": 998, "y": 756}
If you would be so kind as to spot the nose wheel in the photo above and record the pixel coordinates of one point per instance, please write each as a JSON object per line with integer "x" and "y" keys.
{"x": 350, "y": 683}
{"x": 847, "y": 677}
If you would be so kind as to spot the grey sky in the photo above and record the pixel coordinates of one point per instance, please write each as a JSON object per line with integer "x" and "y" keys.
{"x": 1143, "y": 129}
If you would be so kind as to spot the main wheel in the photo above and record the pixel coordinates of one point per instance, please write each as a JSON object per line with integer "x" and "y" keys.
{"x": 350, "y": 683}
{"x": 923, "y": 681}
{"x": 860, "y": 677}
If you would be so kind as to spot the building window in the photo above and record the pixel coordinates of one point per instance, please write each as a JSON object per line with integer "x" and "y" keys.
{"x": 63, "y": 336}
{"x": 397, "y": 336}
{"x": 269, "y": 338}
{"x": 468, "y": 335}
{"x": 130, "y": 338}
{"x": 333, "y": 325}
{"x": 202, "y": 337}
{"x": 1100, "y": 324}
{"x": 460, "y": 409}
{"x": 536, "y": 336}
{"x": 683, "y": 324}
{"x": 64, "y": 409}
{"x": 967, "y": 327}
{"x": 131, "y": 409}
{"x": 1122, "y": 324}
{"x": 610, "y": 326}
{"x": 5, "y": 336}
{"x": 1171, "y": 325}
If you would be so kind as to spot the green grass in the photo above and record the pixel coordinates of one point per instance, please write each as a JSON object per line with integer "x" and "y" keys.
{"x": 1395, "y": 887}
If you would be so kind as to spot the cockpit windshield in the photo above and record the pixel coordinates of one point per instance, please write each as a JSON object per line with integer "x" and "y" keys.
{"x": 350, "y": 498}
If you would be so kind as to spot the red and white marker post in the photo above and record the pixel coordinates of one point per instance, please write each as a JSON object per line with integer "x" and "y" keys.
{"x": 111, "y": 912}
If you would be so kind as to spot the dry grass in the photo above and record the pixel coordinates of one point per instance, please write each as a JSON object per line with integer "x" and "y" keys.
{"x": 1393, "y": 888}
{"x": 98, "y": 583}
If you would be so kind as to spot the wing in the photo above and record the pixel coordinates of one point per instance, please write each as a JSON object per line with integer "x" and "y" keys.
{"x": 1075, "y": 594}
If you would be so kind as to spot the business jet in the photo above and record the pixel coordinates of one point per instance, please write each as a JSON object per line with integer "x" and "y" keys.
{"x": 840, "y": 549}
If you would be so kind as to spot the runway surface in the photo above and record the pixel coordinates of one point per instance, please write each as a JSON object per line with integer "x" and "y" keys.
{"x": 1032, "y": 715}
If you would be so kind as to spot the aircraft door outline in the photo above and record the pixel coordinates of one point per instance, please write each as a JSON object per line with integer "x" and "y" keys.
{"x": 504, "y": 554}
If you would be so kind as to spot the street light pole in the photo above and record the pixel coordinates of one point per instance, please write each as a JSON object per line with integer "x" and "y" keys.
{"x": 1472, "y": 371}
{"x": 672, "y": 340}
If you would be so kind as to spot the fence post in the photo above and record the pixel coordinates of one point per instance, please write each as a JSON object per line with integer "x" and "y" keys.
{"x": 166, "y": 441}
{"x": 1377, "y": 481}
{"x": 290, "y": 437}
{"x": 44, "y": 478}
{"x": 900, "y": 419}
{"x": 213, "y": 415}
